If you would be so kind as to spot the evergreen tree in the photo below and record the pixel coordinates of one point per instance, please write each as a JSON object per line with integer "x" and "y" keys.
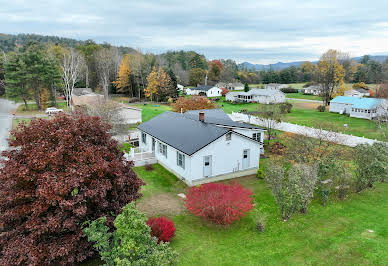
{"x": 15, "y": 76}
{"x": 246, "y": 87}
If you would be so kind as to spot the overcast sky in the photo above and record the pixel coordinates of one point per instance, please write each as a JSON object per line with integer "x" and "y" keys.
{"x": 257, "y": 31}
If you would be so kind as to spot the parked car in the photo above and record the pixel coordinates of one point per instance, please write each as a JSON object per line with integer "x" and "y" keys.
{"x": 53, "y": 110}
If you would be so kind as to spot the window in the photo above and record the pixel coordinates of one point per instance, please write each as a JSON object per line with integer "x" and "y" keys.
{"x": 256, "y": 136}
{"x": 163, "y": 149}
{"x": 180, "y": 159}
{"x": 144, "y": 138}
{"x": 228, "y": 136}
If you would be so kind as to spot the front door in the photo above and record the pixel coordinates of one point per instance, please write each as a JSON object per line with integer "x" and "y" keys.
{"x": 245, "y": 160}
{"x": 153, "y": 145}
{"x": 207, "y": 166}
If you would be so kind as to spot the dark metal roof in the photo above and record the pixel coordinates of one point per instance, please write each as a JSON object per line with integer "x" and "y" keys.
{"x": 218, "y": 117}
{"x": 203, "y": 88}
{"x": 186, "y": 135}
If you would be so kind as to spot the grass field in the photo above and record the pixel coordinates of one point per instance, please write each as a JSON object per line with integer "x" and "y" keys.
{"x": 312, "y": 118}
{"x": 303, "y": 96}
{"x": 150, "y": 110}
{"x": 335, "y": 234}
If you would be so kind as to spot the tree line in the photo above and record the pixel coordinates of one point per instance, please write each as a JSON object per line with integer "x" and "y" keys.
{"x": 367, "y": 71}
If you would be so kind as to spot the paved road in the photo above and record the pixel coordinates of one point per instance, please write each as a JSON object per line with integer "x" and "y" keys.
{"x": 339, "y": 138}
{"x": 5, "y": 121}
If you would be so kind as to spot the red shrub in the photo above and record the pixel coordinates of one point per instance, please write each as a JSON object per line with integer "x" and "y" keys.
{"x": 219, "y": 203}
{"x": 224, "y": 91}
{"x": 162, "y": 228}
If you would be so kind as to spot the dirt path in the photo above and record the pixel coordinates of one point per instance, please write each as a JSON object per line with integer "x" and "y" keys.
{"x": 167, "y": 204}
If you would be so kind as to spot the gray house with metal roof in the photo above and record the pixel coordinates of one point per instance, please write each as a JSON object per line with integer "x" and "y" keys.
{"x": 203, "y": 145}
{"x": 265, "y": 96}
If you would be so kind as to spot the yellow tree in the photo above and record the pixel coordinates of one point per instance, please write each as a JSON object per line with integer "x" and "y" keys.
{"x": 123, "y": 81}
{"x": 44, "y": 98}
{"x": 330, "y": 74}
{"x": 153, "y": 83}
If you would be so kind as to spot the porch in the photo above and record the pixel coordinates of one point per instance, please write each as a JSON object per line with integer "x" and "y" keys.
{"x": 141, "y": 157}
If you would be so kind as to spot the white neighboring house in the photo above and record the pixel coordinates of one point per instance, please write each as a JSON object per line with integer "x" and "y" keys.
{"x": 205, "y": 90}
{"x": 275, "y": 86}
{"x": 313, "y": 89}
{"x": 265, "y": 96}
{"x": 230, "y": 86}
{"x": 203, "y": 146}
{"x": 358, "y": 92}
{"x": 180, "y": 87}
{"x": 365, "y": 108}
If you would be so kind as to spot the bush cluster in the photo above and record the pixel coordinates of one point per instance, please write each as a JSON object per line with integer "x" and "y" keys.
{"x": 321, "y": 108}
{"x": 289, "y": 90}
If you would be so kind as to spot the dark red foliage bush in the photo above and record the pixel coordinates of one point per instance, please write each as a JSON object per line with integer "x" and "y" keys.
{"x": 162, "y": 228}
{"x": 58, "y": 174}
{"x": 219, "y": 203}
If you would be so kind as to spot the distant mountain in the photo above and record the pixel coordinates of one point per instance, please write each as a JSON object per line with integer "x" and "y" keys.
{"x": 281, "y": 65}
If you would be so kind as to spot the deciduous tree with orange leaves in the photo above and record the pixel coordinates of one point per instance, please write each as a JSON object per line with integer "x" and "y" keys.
{"x": 193, "y": 103}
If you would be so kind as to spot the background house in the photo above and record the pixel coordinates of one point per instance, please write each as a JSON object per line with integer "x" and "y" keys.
{"x": 358, "y": 92}
{"x": 204, "y": 90}
{"x": 230, "y": 86}
{"x": 355, "y": 106}
{"x": 265, "y": 96}
{"x": 313, "y": 89}
{"x": 202, "y": 146}
{"x": 275, "y": 86}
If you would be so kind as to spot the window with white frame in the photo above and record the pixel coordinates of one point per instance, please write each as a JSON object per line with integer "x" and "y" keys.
{"x": 180, "y": 159}
{"x": 144, "y": 138}
{"x": 256, "y": 136}
{"x": 163, "y": 149}
{"x": 228, "y": 136}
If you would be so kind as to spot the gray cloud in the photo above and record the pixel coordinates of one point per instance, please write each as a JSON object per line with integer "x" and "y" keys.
{"x": 255, "y": 31}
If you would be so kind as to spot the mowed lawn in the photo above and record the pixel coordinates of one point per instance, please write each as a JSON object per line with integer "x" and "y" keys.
{"x": 333, "y": 234}
{"x": 150, "y": 110}
{"x": 312, "y": 118}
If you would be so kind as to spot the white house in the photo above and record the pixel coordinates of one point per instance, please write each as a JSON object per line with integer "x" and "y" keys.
{"x": 204, "y": 90}
{"x": 230, "y": 86}
{"x": 275, "y": 86}
{"x": 180, "y": 87}
{"x": 266, "y": 96}
{"x": 203, "y": 145}
{"x": 356, "y": 107}
{"x": 358, "y": 92}
{"x": 313, "y": 89}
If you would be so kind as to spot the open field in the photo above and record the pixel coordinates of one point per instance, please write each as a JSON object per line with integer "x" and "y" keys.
{"x": 303, "y": 96}
{"x": 335, "y": 234}
{"x": 150, "y": 110}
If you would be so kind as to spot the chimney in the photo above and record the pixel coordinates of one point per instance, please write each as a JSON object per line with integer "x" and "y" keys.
{"x": 202, "y": 116}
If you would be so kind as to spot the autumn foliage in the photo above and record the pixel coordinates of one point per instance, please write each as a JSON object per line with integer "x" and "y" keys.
{"x": 219, "y": 203}
{"x": 58, "y": 174}
{"x": 192, "y": 103}
{"x": 162, "y": 228}
{"x": 224, "y": 91}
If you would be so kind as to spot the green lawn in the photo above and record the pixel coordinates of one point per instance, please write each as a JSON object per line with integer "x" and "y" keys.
{"x": 158, "y": 180}
{"x": 335, "y": 234}
{"x": 303, "y": 96}
{"x": 313, "y": 118}
{"x": 151, "y": 110}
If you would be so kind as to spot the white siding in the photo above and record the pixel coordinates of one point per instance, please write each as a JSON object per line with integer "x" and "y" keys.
{"x": 214, "y": 92}
{"x": 341, "y": 108}
{"x": 226, "y": 156}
